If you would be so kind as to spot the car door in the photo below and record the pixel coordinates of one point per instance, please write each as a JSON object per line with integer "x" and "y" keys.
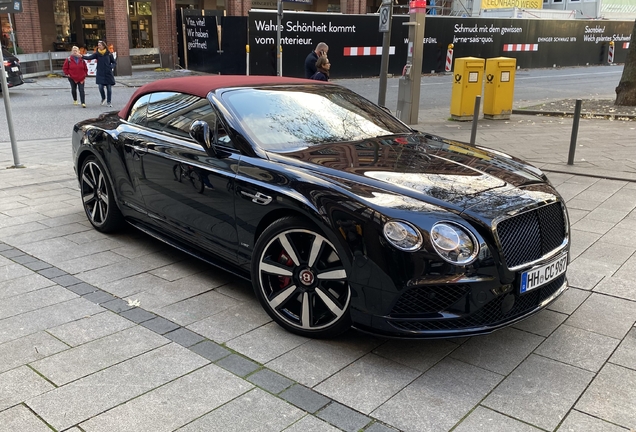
{"x": 130, "y": 153}
{"x": 186, "y": 191}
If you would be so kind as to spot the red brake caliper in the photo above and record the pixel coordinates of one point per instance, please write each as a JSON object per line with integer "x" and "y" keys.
{"x": 284, "y": 259}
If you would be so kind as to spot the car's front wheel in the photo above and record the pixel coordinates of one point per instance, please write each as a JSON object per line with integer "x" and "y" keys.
{"x": 300, "y": 279}
{"x": 98, "y": 198}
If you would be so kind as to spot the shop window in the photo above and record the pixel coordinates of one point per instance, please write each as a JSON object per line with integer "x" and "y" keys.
{"x": 140, "y": 24}
{"x": 63, "y": 40}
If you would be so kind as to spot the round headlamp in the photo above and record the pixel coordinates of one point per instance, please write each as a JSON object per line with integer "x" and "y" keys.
{"x": 454, "y": 244}
{"x": 403, "y": 235}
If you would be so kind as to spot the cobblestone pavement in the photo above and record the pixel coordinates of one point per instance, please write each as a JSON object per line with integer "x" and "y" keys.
{"x": 123, "y": 333}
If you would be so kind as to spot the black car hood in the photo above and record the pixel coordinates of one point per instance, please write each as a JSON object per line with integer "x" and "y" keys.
{"x": 424, "y": 167}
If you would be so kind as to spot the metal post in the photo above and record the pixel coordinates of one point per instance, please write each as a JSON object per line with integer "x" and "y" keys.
{"x": 575, "y": 131}
{"x": 247, "y": 59}
{"x": 409, "y": 85}
{"x": 279, "y": 50}
{"x": 473, "y": 130}
{"x": 386, "y": 47}
{"x": 50, "y": 62}
{"x": 7, "y": 108}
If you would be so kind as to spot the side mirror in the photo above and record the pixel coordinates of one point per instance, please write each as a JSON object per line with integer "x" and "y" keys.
{"x": 200, "y": 132}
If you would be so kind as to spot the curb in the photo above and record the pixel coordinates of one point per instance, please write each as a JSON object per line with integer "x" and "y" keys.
{"x": 571, "y": 114}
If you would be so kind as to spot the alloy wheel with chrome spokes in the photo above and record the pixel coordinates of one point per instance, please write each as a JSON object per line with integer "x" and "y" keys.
{"x": 300, "y": 279}
{"x": 97, "y": 197}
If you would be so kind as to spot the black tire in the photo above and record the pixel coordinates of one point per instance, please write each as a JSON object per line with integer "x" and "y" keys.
{"x": 98, "y": 198}
{"x": 300, "y": 280}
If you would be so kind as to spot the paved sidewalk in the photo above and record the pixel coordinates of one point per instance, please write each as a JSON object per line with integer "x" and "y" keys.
{"x": 122, "y": 333}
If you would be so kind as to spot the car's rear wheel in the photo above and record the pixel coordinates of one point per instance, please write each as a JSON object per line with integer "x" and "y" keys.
{"x": 98, "y": 198}
{"x": 300, "y": 279}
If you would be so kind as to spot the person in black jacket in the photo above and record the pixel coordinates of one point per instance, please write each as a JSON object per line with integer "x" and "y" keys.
{"x": 104, "y": 76}
{"x": 322, "y": 69}
{"x": 312, "y": 58}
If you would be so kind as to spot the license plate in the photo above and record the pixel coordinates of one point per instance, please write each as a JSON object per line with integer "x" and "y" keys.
{"x": 15, "y": 69}
{"x": 540, "y": 276}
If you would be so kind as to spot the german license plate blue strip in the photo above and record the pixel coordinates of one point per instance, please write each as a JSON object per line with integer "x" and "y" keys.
{"x": 540, "y": 276}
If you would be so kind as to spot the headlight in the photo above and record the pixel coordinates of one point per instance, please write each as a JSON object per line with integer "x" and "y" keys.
{"x": 403, "y": 236}
{"x": 454, "y": 244}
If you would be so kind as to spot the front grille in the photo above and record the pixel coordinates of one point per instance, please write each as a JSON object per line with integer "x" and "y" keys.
{"x": 429, "y": 299}
{"x": 530, "y": 235}
{"x": 490, "y": 314}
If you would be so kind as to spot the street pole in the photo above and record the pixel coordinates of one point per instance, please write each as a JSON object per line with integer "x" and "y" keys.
{"x": 279, "y": 54}
{"x": 409, "y": 84}
{"x": 7, "y": 108}
{"x": 386, "y": 16}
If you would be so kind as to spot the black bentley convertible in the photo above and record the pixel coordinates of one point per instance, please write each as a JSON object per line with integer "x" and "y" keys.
{"x": 340, "y": 214}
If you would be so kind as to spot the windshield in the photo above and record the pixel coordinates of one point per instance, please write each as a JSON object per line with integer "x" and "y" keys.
{"x": 285, "y": 119}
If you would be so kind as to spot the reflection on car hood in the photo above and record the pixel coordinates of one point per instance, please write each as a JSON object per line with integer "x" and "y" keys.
{"x": 420, "y": 166}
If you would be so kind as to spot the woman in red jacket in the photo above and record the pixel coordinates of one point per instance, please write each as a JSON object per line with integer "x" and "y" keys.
{"x": 76, "y": 70}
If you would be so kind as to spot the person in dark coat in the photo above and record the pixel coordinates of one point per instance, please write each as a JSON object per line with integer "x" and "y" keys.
{"x": 312, "y": 58}
{"x": 104, "y": 75}
{"x": 322, "y": 69}
{"x": 76, "y": 70}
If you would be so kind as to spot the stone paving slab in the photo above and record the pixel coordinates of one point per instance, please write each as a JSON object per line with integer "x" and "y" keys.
{"x": 83, "y": 399}
{"x": 20, "y": 384}
{"x": 540, "y": 392}
{"x": 188, "y": 397}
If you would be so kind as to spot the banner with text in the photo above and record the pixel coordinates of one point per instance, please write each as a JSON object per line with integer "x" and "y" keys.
{"x": 210, "y": 42}
{"x": 355, "y": 45}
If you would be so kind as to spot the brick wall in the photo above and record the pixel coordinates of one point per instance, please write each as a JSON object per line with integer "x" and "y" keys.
{"x": 116, "y": 17}
{"x": 167, "y": 32}
{"x": 238, "y": 7}
{"x": 27, "y": 27}
{"x": 355, "y": 7}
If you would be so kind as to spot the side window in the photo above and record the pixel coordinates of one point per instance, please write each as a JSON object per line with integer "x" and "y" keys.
{"x": 139, "y": 110}
{"x": 174, "y": 112}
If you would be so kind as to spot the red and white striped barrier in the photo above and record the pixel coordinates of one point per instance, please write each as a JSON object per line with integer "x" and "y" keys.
{"x": 521, "y": 47}
{"x": 625, "y": 45}
{"x": 449, "y": 58}
{"x": 610, "y": 53}
{"x": 366, "y": 51}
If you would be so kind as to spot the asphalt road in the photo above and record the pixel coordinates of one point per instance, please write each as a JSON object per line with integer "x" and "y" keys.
{"x": 43, "y": 109}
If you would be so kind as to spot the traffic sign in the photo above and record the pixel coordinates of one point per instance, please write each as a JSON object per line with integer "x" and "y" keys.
{"x": 385, "y": 17}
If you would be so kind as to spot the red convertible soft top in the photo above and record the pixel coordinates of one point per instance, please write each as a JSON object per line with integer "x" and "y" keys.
{"x": 202, "y": 85}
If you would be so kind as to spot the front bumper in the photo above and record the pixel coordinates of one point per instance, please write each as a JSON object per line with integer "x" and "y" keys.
{"x": 444, "y": 311}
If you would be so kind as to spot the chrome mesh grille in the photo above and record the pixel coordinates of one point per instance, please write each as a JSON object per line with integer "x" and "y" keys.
{"x": 428, "y": 299}
{"x": 489, "y": 315}
{"x": 529, "y": 236}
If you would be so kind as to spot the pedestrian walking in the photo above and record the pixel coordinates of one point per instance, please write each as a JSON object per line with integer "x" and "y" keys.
{"x": 104, "y": 76}
{"x": 322, "y": 69}
{"x": 310, "y": 62}
{"x": 76, "y": 70}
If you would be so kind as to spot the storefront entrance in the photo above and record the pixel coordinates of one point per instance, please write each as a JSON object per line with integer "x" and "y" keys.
{"x": 83, "y": 23}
